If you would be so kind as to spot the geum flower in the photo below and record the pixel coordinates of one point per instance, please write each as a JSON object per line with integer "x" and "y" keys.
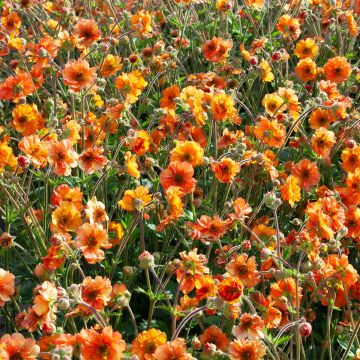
{"x": 99, "y": 345}
{"x": 92, "y": 160}
{"x": 62, "y": 156}
{"x": 91, "y": 239}
{"x": 208, "y": 229}
{"x": 7, "y": 286}
{"x": 250, "y": 326}
{"x": 180, "y": 174}
{"x": 78, "y": 75}
{"x": 136, "y": 199}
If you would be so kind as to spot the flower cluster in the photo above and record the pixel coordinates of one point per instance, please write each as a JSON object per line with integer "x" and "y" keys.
{"x": 179, "y": 179}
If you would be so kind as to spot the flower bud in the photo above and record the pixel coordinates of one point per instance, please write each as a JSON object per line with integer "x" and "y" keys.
{"x": 146, "y": 260}
{"x": 63, "y": 304}
{"x": 23, "y": 161}
{"x": 271, "y": 201}
{"x": 253, "y": 61}
{"x": 196, "y": 344}
{"x": 246, "y": 245}
{"x": 128, "y": 271}
{"x": 305, "y": 329}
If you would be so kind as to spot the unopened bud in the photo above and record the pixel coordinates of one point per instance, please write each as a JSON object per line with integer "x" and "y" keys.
{"x": 146, "y": 260}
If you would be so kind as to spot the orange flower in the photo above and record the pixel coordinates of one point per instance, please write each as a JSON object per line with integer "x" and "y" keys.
{"x": 192, "y": 266}
{"x": 96, "y": 292}
{"x": 90, "y": 239}
{"x": 92, "y": 160}
{"x": 205, "y": 287}
{"x": 338, "y": 267}
{"x": 6, "y": 156}
{"x": 175, "y": 349}
{"x": 11, "y": 21}
{"x": 351, "y": 159}
{"x": 225, "y": 170}
{"x": 322, "y": 142}
{"x": 321, "y": 118}
{"x": 353, "y": 221}
{"x": 247, "y": 349}
{"x": 72, "y": 129}
{"x": 87, "y": 31}
{"x": 65, "y": 218}
{"x": 141, "y": 143}
{"x": 96, "y": 345}
{"x": 270, "y": 314}
{"x": 337, "y": 69}
{"x": 57, "y": 254}
{"x": 189, "y": 151}
{"x": 44, "y": 301}
{"x": 208, "y": 229}
{"x": 65, "y": 193}
{"x": 173, "y": 196}
{"x": 290, "y": 191}
{"x": 287, "y": 288}
{"x": 131, "y": 84}
{"x": 214, "y": 335}
{"x": 271, "y": 132}
{"x": 95, "y": 211}
{"x": 62, "y": 156}
{"x": 250, "y": 326}
{"x": 35, "y": 149}
{"x": 228, "y": 138}
{"x": 216, "y": 50}
{"x": 194, "y": 98}
{"x": 136, "y": 199}
{"x": 169, "y": 94}
{"x": 244, "y": 269}
{"x": 230, "y": 289}
{"x": 110, "y": 66}
{"x": 351, "y": 22}
{"x": 17, "y": 87}
{"x": 291, "y": 100}
{"x": 15, "y": 346}
{"x": 306, "y": 69}
{"x": 273, "y": 104}
{"x": 116, "y": 233}
{"x": 307, "y": 174}
{"x": 266, "y": 72}
{"x": 7, "y": 286}
{"x": 141, "y": 22}
{"x": 258, "y": 4}
{"x": 223, "y": 107}
{"x": 131, "y": 165}
{"x": 289, "y": 27}
{"x": 78, "y": 75}
{"x": 223, "y": 5}
{"x": 329, "y": 88}
{"x": 263, "y": 232}
{"x": 242, "y": 208}
{"x": 306, "y": 48}
{"x": 26, "y": 119}
{"x": 180, "y": 174}
{"x": 146, "y": 343}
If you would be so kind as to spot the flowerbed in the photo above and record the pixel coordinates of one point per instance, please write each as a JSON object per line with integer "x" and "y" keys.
{"x": 179, "y": 179}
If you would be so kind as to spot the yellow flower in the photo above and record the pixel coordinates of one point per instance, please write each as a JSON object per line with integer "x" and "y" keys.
{"x": 135, "y": 199}
{"x": 223, "y": 107}
{"x": 146, "y": 343}
{"x": 189, "y": 151}
{"x": 290, "y": 191}
{"x": 274, "y": 104}
{"x": 306, "y": 48}
{"x": 266, "y": 72}
{"x": 131, "y": 165}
